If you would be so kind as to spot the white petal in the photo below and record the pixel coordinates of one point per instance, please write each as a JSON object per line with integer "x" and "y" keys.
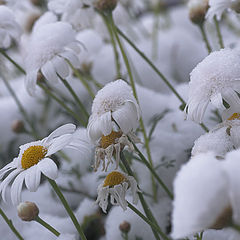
{"x": 31, "y": 81}
{"x": 59, "y": 143}
{"x": 71, "y": 57}
{"x": 61, "y": 67}
{"x": 94, "y": 129}
{"x": 49, "y": 72}
{"x": 217, "y": 101}
{"x": 17, "y": 188}
{"x": 48, "y": 168}
{"x": 32, "y": 178}
{"x": 106, "y": 123}
{"x": 67, "y": 128}
{"x": 126, "y": 117}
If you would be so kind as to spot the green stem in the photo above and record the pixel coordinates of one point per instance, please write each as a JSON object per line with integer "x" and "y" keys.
{"x": 79, "y": 76}
{"x": 153, "y": 171}
{"x": 143, "y": 202}
{"x": 220, "y": 38}
{"x": 61, "y": 103}
{"x": 76, "y": 98}
{"x": 10, "y": 224}
{"x": 12, "y": 61}
{"x": 151, "y": 224}
{"x": 46, "y": 225}
{"x": 151, "y": 65}
{"x": 157, "y": 72}
{"x": 68, "y": 209}
{"x": 20, "y": 107}
{"x": 117, "y": 62}
{"x": 146, "y": 140}
{"x": 205, "y": 39}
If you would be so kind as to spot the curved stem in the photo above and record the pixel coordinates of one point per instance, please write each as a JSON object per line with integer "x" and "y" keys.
{"x": 146, "y": 140}
{"x": 61, "y": 103}
{"x": 10, "y": 224}
{"x": 205, "y": 39}
{"x": 220, "y": 38}
{"x": 46, "y": 225}
{"x": 68, "y": 209}
{"x": 117, "y": 62}
{"x": 147, "y": 220}
{"x": 76, "y": 98}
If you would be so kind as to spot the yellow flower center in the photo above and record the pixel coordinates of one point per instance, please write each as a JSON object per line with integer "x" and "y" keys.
{"x": 32, "y": 156}
{"x": 235, "y": 116}
{"x": 114, "y": 178}
{"x": 109, "y": 139}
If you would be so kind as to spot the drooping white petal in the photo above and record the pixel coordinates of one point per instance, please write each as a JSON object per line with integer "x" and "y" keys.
{"x": 32, "y": 178}
{"x": 30, "y": 81}
{"x": 105, "y": 123}
{"x": 61, "y": 67}
{"x": 71, "y": 57}
{"x": 49, "y": 72}
{"x": 94, "y": 128}
{"x": 65, "y": 129}
{"x": 17, "y": 188}
{"x": 48, "y": 168}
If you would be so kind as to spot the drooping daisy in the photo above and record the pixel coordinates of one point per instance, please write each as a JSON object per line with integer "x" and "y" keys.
{"x": 217, "y": 7}
{"x": 49, "y": 48}
{"x": 115, "y": 115}
{"x": 206, "y": 194}
{"x": 34, "y": 159}
{"x": 9, "y": 28}
{"x": 116, "y": 185}
{"x": 215, "y": 79}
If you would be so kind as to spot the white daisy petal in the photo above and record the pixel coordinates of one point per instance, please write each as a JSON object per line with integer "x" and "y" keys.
{"x": 17, "y": 188}
{"x": 48, "y": 168}
{"x": 30, "y": 81}
{"x": 61, "y": 67}
{"x": 48, "y": 71}
{"x": 32, "y": 178}
{"x": 71, "y": 57}
{"x": 105, "y": 123}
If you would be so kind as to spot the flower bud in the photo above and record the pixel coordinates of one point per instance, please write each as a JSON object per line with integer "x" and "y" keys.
{"x": 197, "y": 10}
{"x": 18, "y": 126}
{"x": 125, "y": 227}
{"x": 105, "y": 5}
{"x": 27, "y": 211}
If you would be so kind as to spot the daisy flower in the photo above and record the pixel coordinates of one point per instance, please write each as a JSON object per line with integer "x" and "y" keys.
{"x": 49, "y": 48}
{"x": 215, "y": 79}
{"x": 9, "y": 28}
{"x": 116, "y": 185}
{"x": 115, "y": 114}
{"x": 34, "y": 159}
{"x": 211, "y": 194}
{"x": 217, "y": 7}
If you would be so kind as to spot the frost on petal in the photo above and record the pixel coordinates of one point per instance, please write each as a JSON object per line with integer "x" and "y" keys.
{"x": 197, "y": 188}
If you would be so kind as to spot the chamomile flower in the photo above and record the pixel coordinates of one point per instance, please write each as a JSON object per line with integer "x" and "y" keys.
{"x": 9, "y": 28}
{"x": 217, "y": 7}
{"x": 49, "y": 48}
{"x": 115, "y": 114}
{"x": 116, "y": 185}
{"x": 215, "y": 79}
{"x": 34, "y": 159}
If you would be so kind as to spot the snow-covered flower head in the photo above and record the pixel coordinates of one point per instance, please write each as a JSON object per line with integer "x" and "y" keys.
{"x": 79, "y": 13}
{"x": 197, "y": 10}
{"x": 217, "y": 7}
{"x": 206, "y": 194}
{"x": 115, "y": 114}
{"x": 34, "y": 159}
{"x": 49, "y": 48}
{"x": 116, "y": 185}
{"x": 215, "y": 79}
{"x": 9, "y": 28}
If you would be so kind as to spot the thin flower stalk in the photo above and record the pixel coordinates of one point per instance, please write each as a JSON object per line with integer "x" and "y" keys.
{"x": 220, "y": 38}
{"x": 76, "y": 98}
{"x": 47, "y": 226}
{"x": 10, "y": 224}
{"x": 67, "y": 207}
{"x": 205, "y": 39}
{"x": 143, "y": 202}
{"x": 146, "y": 140}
